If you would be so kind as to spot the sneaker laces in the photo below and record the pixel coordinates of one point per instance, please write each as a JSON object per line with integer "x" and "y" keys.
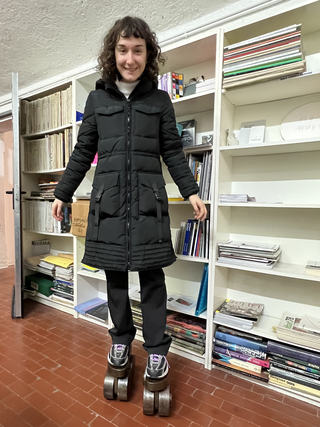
{"x": 155, "y": 358}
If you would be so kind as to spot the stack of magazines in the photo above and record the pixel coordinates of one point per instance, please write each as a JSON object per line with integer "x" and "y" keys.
{"x": 294, "y": 368}
{"x": 238, "y": 314}
{"x": 236, "y": 198}
{"x": 303, "y": 330}
{"x": 188, "y": 332}
{"x": 269, "y": 56}
{"x": 259, "y": 255}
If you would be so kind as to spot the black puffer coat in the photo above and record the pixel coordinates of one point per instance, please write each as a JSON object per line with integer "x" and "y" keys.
{"x": 128, "y": 223}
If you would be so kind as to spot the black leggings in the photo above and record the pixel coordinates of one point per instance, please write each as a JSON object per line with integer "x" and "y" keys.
{"x": 153, "y": 306}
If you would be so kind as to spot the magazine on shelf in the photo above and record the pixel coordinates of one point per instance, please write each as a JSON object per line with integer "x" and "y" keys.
{"x": 245, "y": 310}
{"x": 290, "y": 329}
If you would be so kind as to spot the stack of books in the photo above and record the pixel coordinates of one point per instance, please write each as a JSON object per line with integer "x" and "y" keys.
{"x": 240, "y": 352}
{"x": 62, "y": 291}
{"x": 136, "y": 314}
{"x": 188, "y": 332}
{"x": 58, "y": 266}
{"x": 238, "y": 314}
{"x": 171, "y": 82}
{"x": 269, "y": 56}
{"x": 236, "y": 198}
{"x": 193, "y": 238}
{"x": 294, "y": 368}
{"x": 200, "y": 166}
{"x": 38, "y": 217}
{"x": 96, "y": 308}
{"x": 259, "y": 255}
{"x": 205, "y": 85}
{"x": 313, "y": 268}
{"x": 303, "y": 330}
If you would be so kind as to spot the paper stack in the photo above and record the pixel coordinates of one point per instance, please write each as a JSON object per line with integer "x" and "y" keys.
{"x": 238, "y": 314}
{"x": 258, "y": 255}
{"x": 313, "y": 268}
{"x": 303, "y": 330}
{"x": 236, "y": 198}
{"x": 269, "y": 56}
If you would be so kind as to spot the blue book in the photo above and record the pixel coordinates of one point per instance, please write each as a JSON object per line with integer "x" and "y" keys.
{"x": 241, "y": 341}
{"x": 186, "y": 244}
{"x": 88, "y": 305}
{"x": 203, "y": 293}
{"x": 295, "y": 352}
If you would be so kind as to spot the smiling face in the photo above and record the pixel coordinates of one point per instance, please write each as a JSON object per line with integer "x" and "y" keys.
{"x": 131, "y": 58}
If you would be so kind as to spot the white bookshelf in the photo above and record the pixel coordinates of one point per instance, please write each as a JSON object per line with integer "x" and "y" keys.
{"x": 284, "y": 177}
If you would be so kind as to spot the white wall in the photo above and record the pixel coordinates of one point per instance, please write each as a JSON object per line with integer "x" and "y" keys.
{"x": 7, "y": 251}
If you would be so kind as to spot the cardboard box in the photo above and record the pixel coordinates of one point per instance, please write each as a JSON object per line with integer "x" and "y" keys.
{"x": 79, "y": 221}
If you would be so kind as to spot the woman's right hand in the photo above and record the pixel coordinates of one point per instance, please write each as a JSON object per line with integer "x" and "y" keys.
{"x": 57, "y": 210}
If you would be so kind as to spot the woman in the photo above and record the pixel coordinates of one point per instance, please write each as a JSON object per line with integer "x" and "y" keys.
{"x": 131, "y": 124}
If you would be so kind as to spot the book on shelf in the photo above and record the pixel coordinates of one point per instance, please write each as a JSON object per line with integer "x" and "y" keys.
{"x": 100, "y": 312}
{"x": 236, "y": 362}
{"x": 236, "y": 198}
{"x": 291, "y": 361}
{"x": 260, "y": 346}
{"x": 264, "y": 57}
{"x": 180, "y": 302}
{"x": 293, "y": 376}
{"x": 82, "y": 308}
{"x": 191, "y": 323}
{"x": 241, "y": 349}
{"x": 241, "y": 356}
{"x": 202, "y": 299}
{"x": 46, "y": 113}
{"x": 294, "y": 352}
{"x": 249, "y": 254}
{"x": 293, "y": 385}
{"x": 263, "y": 376}
{"x": 292, "y": 329}
{"x": 188, "y": 134}
{"x": 241, "y": 309}
{"x": 313, "y": 268}
{"x": 241, "y": 334}
{"x": 284, "y": 366}
{"x": 172, "y": 83}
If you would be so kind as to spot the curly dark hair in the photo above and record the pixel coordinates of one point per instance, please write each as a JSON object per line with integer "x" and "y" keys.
{"x": 127, "y": 27}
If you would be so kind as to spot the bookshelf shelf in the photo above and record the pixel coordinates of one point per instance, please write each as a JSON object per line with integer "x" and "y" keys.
{"x": 277, "y": 147}
{"x": 54, "y": 304}
{"x": 48, "y": 234}
{"x": 276, "y": 205}
{"x": 199, "y": 102}
{"x": 280, "y": 269}
{"x": 49, "y": 172}
{"x": 273, "y": 90}
{"x": 191, "y": 258}
{"x": 97, "y": 275}
{"x": 47, "y": 132}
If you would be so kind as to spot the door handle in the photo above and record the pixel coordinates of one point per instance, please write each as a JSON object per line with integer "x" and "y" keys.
{"x": 12, "y": 192}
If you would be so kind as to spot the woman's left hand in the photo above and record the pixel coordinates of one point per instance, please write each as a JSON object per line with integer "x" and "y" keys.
{"x": 200, "y": 210}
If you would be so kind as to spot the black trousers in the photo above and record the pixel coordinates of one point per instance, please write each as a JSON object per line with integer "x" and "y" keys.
{"x": 153, "y": 306}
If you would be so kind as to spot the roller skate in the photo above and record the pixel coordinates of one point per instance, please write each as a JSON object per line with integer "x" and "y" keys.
{"x": 156, "y": 394}
{"x": 117, "y": 381}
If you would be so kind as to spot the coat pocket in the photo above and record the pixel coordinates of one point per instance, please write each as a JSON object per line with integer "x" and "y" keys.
{"x": 153, "y": 200}
{"x": 105, "y": 196}
{"x": 110, "y": 121}
{"x": 147, "y": 121}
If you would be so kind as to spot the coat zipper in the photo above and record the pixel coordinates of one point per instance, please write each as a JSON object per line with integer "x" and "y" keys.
{"x": 129, "y": 182}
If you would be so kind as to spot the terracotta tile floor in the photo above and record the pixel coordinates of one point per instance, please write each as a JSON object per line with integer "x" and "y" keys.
{"x": 52, "y": 368}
